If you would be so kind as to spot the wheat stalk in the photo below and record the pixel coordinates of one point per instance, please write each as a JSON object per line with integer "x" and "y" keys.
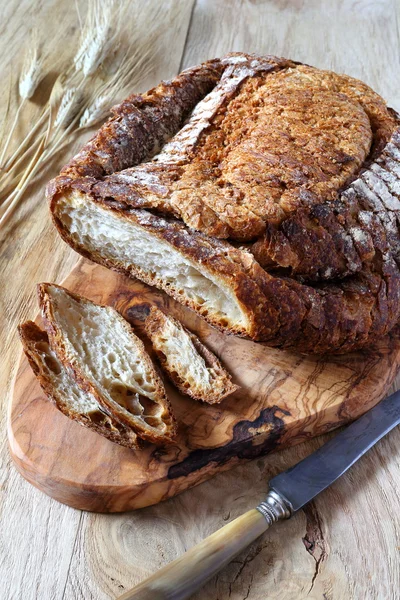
{"x": 31, "y": 71}
{"x": 25, "y": 147}
{"x": 70, "y": 105}
{"x": 29, "y": 80}
{"x": 99, "y": 109}
{"x": 8, "y": 206}
{"x": 81, "y": 95}
{"x": 95, "y": 113}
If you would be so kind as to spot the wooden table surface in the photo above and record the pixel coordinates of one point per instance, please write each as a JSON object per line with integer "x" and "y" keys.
{"x": 344, "y": 545}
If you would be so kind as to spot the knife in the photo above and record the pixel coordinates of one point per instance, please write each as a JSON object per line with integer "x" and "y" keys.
{"x": 288, "y": 492}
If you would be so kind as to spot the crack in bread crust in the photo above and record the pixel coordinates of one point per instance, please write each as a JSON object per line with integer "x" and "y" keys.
{"x": 301, "y": 166}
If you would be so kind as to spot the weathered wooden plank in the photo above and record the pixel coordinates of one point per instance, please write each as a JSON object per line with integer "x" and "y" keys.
{"x": 343, "y": 545}
{"x": 332, "y": 550}
{"x": 352, "y": 530}
{"x": 38, "y": 535}
{"x": 357, "y": 37}
{"x": 36, "y": 543}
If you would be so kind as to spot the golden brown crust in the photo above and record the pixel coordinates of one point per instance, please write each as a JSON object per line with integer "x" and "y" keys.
{"x": 282, "y": 134}
{"x": 234, "y": 171}
{"x": 221, "y": 384}
{"x": 58, "y": 343}
{"x": 36, "y": 346}
{"x": 332, "y": 207}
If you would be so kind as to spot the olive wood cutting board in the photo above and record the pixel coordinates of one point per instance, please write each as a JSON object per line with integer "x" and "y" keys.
{"x": 284, "y": 398}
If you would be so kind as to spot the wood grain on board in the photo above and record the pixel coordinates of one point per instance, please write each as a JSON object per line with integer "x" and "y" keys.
{"x": 345, "y": 544}
{"x": 284, "y": 398}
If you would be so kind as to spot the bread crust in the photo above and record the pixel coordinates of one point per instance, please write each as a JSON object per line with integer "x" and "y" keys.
{"x": 339, "y": 234}
{"x": 57, "y": 342}
{"x": 37, "y": 349}
{"x": 142, "y": 123}
{"x": 221, "y": 386}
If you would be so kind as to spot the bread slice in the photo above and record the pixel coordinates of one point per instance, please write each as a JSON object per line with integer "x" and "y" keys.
{"x": 63, "y": 391}
{"x": 107, "y": 360}
{"x": 193, "y": 368}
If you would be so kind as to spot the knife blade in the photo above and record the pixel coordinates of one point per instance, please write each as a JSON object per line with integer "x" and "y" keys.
{"x": 301, "y": 483}
{"x": 288, "y": 492}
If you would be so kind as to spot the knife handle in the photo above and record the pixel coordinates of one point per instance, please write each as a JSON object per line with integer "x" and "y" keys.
{"x": 185, "y": 575}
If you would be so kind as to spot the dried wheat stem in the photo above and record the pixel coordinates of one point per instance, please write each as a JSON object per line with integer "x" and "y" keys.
{"x": 68, "y": 109}
{"x": 41, "y": 155}
{"x": 8, "y": 201}
{"x": 7, "y": 214}
{"x": 31, "y": 167}
{"x": 17, "y": 153}
{"x": 11, "y": 133}
{"x": 11, "y": 203}
{"x": 25, "y": 177}
{"x": 6, "y": 190}
{"x": 25, "y": 148}
{"x": 61, "y": 140}
{"x": 105, "y": 95}
{"x": 28, "y": 82}
{"x": 23, "y": 155}
{"x": 3, "y": 125}
{"x": 65, "y": 120}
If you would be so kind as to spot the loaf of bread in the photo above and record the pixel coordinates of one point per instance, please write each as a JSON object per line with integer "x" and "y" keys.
{"x": 260, "y": 192}
{"x": 192, "y": 367}
{"x": 108, "y": 362}
{"x": 62, "y": 389}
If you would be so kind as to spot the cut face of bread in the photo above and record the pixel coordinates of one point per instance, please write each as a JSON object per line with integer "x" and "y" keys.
{"x": 193, "y": 368}
{"x": 61, "y": 389}
{"x": 161, "y": 254}
{"x": 108, "y": 360}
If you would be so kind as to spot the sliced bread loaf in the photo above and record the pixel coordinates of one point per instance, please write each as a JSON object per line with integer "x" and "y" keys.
{"x": 207, "y": 157}
{"x": 108, "y": 361}
{"x": 61, "y": 389}
{"x": 193, "y": 368}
